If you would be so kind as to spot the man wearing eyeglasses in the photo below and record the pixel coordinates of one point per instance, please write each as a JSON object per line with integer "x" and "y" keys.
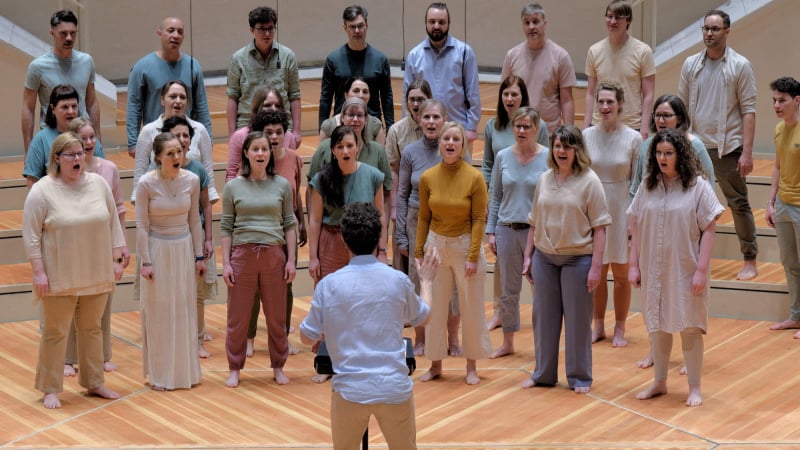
{"x": 262, "y": 62}
{"x": 357, "y": 58}
{"x": 625, "y": 60}
{"x": 718, "y": 87}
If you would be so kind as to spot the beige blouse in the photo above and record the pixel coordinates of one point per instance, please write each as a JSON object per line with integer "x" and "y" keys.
{"x": 669, "y": 223}
{"x": 563, "y": 215}
{"x": 72, "y": 229}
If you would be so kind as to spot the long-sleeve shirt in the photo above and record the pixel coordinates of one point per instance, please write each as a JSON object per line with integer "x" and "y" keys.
{"x": 344, "y": 63}
{"x": 167, "y": 208}
{"x": 452, "y": 202}
{"x": 452, "y": 73}
{"x": 145, "y": 81}
{"x": 200, "y": 149}
{"x": 72, "y": 229}
{"x": 257, "y": 211}
{"x": 249, "y": 70}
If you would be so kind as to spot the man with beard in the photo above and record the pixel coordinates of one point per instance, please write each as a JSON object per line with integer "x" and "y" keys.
{"x": 545, "y": 67}
{"x": 357, "y": 58}
{"x": 718, "y": 87}
{"x": 63, "y": 65}
{"x": 449, "y": 65}
{"x": 153, "y": 71}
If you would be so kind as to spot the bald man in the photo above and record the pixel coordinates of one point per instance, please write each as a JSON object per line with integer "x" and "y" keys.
{"x": 152, "y": 72}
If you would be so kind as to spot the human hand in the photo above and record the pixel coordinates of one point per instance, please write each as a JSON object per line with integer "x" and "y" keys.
{"x": 302, "y": 234}
{"x": 200, "y": 268}
{"x": 634, "y": 276}
{"x": 426, "y": 267}
{"x": 208, "y": 248}
{"x": 147, "y": 273}
{"x": 314, "y": 269}
{"x": 126, "y": 257}
{"x": 745, "y": 164}
{"x": 132, "y": 152}
{"x": 41, "y": 286}
{"x": 227, "y": 275}
{"x": 493, "y": 244}
{"x": 471, "y": 135}
{"x": 470, "y": 269}
{"x": 699, "y": 280}
{"x": 593, "y": 280}
{"x": 117, "y": 271}
{"x": 770, "y": 215}
{"x": 289, "y": 272}
{"x": 526, "y": 269}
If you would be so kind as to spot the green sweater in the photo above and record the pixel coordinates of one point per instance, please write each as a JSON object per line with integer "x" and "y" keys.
{"x": 257, "y": 211}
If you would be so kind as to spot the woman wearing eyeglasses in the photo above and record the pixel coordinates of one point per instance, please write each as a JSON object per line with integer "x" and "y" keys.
{"x": 74, "y": 242}
{"x": 355, "y": 87}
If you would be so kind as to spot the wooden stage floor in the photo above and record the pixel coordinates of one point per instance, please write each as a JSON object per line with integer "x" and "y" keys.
{"x": 750, "y": 386}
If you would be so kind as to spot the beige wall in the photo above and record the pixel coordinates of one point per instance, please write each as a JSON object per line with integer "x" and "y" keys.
{"x": 117, "y": 33}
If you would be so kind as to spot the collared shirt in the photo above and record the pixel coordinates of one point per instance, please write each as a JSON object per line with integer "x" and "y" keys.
{"x": 249, "y": 70}
{"x": 452, "y": 73}
{"x": 717, "y": 106}
{"x": 363, "y": 326}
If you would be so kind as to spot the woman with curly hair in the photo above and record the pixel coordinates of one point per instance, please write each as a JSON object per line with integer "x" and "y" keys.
{"x": 675, "y": 213}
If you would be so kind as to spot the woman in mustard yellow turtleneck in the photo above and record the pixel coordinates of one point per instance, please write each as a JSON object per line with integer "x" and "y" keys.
{"x": 452, "y": 215}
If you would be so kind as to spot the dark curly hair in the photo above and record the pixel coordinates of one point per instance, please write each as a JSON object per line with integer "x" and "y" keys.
{"x": 686, "y": 163}
{"x": 361, "y": 227}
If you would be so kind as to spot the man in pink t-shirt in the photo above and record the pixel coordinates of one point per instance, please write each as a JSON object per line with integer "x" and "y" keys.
{"x": 546, "y": 68}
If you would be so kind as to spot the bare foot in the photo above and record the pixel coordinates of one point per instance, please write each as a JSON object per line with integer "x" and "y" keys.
{"x": 787, "y": 324}
{"x": 291, "y": 329}
{"x": 432, "y": 374}
{"x": 292, "y": 349}
{"x": 455, "y": 349}
{"x": 69, "y": 370}
{"x": 279, "y": 376}
{"x": 582, "y": 389}
{"x": 494, "y": 322}
{"x": 619, "y": 336}
{"x": 233, "y": 379}
{"x": 51, "y": 401}
{"x": 109, "y": 366}
{"x": 645, "y": 362}
{"x": 103, "y": 392}
{"x": 503, "y": 350}
{"x": 251, "y": 347}
{"x": 419, "y": 348}
{"x": 202, "y": 352}
{"x": 655, "y": 389}
{"x": 748, "y": 272}
{"x": 472, "y": 378}
{"x": 207, "y": 337}
{"x": 796, "y": 335}
{"x": 695, "y": 396}
{"x": 527, "y": 384}
{"x": 158, "y": 388}
{"x": 320, "y": 378}
{"x": 683, "y": 370}
{"x": 598, "y": 334}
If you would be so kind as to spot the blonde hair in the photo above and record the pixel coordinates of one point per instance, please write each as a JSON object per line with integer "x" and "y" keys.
{"x": 77, "y": 123}
{"x": 64, "y": 140}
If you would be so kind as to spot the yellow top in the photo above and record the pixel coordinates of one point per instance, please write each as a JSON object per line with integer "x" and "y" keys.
{"x": 787, "y": 150}
{"x": 452, "y": 202}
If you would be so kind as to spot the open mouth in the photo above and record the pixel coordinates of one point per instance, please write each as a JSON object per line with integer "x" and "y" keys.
{"x": 76, "y": 166}
{"x": 176, "y": 165}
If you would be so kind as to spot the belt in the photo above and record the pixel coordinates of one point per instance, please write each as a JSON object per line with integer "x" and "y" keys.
{"x": 517, "y": 225}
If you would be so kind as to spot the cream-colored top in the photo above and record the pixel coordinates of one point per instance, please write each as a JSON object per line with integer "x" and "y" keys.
{"x": 167, "y": 208}
{"x": 626, "y": 64}
{"x": 669, "y": 223}
{"x": 563, "y": 215}
{"x": 72, "y": 229}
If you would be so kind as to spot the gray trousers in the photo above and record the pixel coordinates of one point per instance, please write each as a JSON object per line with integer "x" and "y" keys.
{"x": 510, "y": 255}
{"x": 787, "y": 228}
{"x": 560, "y": 292}
{"x": 734, "y": 187}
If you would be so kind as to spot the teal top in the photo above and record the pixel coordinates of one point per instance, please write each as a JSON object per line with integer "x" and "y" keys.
{"x": 359, "y": 186}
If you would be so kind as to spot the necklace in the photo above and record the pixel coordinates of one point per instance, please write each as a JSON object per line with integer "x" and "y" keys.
{"x": 171, "y": 185}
